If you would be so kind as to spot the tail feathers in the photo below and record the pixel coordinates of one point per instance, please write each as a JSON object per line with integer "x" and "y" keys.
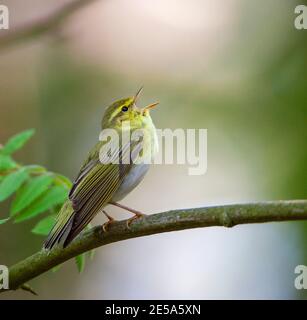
{"x": 71, "y": 235}
{"x": 66, "y": 228}
{"x": 59, "y": 235}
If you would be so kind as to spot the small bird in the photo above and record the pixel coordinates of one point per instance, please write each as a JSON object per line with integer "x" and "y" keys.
{"x": 101, "y": 183}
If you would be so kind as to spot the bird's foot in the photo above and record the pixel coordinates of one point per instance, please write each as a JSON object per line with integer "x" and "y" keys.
{"x": 107, "y": 224}
{"x": 137, "y": 215}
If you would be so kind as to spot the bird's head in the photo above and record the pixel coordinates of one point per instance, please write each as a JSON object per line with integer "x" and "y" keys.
{"x": 127, "y": 110}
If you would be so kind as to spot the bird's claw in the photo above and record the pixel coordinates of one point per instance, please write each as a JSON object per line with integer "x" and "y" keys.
{"x": 106, "y": 225}
{"x": 135, "y": 217}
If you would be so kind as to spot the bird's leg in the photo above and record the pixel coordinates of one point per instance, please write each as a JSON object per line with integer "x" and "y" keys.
{"x": 137, "y": 214}
{"x": 106, "y": 224}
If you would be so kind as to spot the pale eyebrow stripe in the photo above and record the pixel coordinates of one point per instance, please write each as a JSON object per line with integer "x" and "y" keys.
{"x": 117, "y": 111}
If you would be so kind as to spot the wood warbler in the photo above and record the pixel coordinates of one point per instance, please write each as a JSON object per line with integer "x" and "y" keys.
{"x": 100, "y": 183}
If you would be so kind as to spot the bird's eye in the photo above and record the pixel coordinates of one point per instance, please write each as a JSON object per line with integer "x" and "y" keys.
{"x": 124, "y": 109}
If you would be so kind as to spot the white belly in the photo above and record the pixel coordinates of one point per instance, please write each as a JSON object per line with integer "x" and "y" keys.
{"x": 132, "y": 179}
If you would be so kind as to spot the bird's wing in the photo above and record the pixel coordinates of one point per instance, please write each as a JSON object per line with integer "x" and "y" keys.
{"x": 95, "y": 186}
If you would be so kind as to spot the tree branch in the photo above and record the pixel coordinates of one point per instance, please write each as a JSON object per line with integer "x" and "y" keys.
{"x": 42, "y": 26}
{"x": 227, "y": 216}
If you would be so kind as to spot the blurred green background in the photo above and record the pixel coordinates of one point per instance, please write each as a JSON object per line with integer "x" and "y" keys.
{"x": 235, "y": 67}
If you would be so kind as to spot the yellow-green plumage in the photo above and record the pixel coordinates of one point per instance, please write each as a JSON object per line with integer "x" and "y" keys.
{"x": 98, "y": 183}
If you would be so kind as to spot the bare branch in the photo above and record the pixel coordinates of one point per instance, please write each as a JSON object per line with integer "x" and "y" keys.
{"x": 42, "y": 26}
{"x": 227, "y": 216}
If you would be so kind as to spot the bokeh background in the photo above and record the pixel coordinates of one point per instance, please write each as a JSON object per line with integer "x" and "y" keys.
{"x": 235, "y": 67}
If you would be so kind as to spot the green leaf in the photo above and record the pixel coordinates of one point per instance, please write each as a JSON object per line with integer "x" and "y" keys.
{"x": 36, "y": 169}
{"x": 6, "y": 163}
{"x": 80, "y": 261}
{"x": 62, "y": 180}
{"x": 17, "y": 142}
{"x": 44, "y": 226}
{"x": 91, "y": 253}
{"x": 30, "y": 192}
{"x": 2, "y": 221}
{"x": 52, "y": 197}
{"x": 12, "y": 182}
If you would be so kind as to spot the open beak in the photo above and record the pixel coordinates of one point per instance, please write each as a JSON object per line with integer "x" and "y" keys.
{"x": 151, "y": 106}
{"x": 138, "y": 94}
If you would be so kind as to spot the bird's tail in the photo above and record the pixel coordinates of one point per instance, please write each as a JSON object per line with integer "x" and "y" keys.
{"x": 62, "y": 228}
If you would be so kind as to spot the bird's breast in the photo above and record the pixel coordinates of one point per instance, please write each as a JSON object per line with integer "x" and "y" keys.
{"x": 139, "y": 170}
{"x": 131, "y": 180}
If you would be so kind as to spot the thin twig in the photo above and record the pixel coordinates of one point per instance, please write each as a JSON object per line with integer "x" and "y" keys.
{"x": 227, "y": 216}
